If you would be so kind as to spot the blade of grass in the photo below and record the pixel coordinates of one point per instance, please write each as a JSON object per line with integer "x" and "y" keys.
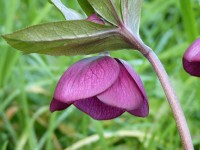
{"x": 32, "y": 140}
{"x": 8, "y": 100}
{"x": 49, "y": 144}
{"x": 59, "y": 119}
{"x": 43, "y": 13}
{"x": 85, "y": 125}
{"x": 99, "y": 129}
{"x": 8, "y": 57}
{"x": 11, "y": 132}
{"x": 189, "y": 19}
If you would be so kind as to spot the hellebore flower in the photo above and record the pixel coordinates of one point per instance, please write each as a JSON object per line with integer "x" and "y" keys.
{"x": 191, "y": 59}
{"x": 102, "y": 87}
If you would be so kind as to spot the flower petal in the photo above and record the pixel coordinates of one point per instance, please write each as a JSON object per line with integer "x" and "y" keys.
{"x": 124, "y": 93}
{"x": 193, "y": 52}
{"x": 87, "y": 78}
{"x": 97, "y": 109}
{"x": 142, "y": 111}
{"x": 135, "y": 77}
{"x": 191, "y": 59}
{"x": 57, "y": 105}
{"x": 193, "y": 68}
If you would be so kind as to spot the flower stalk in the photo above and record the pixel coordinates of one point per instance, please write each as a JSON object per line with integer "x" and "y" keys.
{"x": 166, "y": 84}
{"x": 172, "y": 99}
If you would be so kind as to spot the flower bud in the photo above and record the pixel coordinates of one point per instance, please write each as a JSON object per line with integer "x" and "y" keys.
{"x": 191, "y": 59}
{"x": 95, "y": 18}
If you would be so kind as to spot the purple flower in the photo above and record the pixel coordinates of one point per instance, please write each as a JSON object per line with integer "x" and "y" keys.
{"x": 102, "y": 87}
{"x": 95, "y": 18}
{"x": 191, "y": 59}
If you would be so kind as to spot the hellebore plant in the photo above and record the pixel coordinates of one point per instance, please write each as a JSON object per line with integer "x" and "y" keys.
{"x": 101, "y": 86}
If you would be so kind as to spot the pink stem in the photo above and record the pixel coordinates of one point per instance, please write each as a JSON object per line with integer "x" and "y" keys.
{"x": 181, "y": 123}
{"x": 172, "y": 99}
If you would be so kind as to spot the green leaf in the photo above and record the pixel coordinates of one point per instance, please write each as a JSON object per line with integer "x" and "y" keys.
{"x": 106, "y": 9}
{"x": 87, "y": 8}
{"x": 68, "y": 13}
{"x": 67, "y": 38}
{"x": 131, "y": 10}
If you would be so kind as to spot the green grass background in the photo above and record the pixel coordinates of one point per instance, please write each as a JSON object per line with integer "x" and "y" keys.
{"x": 27, "y": 83}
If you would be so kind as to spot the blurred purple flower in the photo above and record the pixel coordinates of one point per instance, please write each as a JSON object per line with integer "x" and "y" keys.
{"x": 102, "y": 87}
{"x": 191, "y": 59}
{"x": 95, "y": 18}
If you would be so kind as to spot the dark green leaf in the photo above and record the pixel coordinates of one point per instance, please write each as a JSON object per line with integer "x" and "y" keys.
{"x": 68, "y": 13}
{"x": 131, "y": 10}
{"x": 106, "y": 9}
{"x": 67, "y": 38}
{"x": 87, "y": 8}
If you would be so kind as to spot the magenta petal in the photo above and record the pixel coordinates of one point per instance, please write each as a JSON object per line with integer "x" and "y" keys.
{"x": 193, "y": 68}
{"x": 142, "y": 111}
{"x": 57, "y": 105}
{"x": 98, "y": 110}
{"x": 135, "y": 77}
{"x": 193, "y": 52}
{"x": 87, "y": 78}
{"x": 191, "y": 59}
{"x": 124, "y": 93}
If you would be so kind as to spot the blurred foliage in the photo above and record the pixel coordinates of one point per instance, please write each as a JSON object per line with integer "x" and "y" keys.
{"x": 27, "y": 83}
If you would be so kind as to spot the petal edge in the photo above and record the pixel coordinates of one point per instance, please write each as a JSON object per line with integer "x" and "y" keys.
{"x": 142, "y": 111}
{"x": 57, "y": 105}
{"x": 97, "y": 109}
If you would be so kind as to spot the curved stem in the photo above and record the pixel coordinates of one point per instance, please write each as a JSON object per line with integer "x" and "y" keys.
{"x": 181, "y": 123}
{"x": 172, "y": 99}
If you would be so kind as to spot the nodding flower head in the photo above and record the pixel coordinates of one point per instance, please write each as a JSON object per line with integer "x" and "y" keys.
{"x": 102, "y": 87}
{"x": 191, "y": 59}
